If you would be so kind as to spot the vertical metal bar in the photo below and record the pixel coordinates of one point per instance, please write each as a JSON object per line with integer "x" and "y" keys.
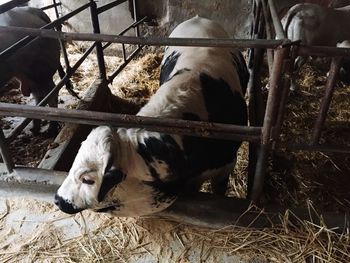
{"x": 5, "y": 154}
{"x": 280, "y": 34}
{"x": 56, "y": 9}
{"x": 289, "y": 66}
{"x": 267, "y": 18}
{"x": 269, "y": 120}
{"x": 326, "y": 100}
{"x": 256, "y": 107}
{"x": 137, "y": 30}
{"x": 124, "y": 52}
{"x": 99, "y": 49}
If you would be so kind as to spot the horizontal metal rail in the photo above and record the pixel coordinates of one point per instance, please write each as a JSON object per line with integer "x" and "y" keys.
{"x": 152, "y": 41}
{"x": 165, "y": 125}
{"x": 11, "y": 4}
{"x": 108, "y": 6}
{"x": 50, "y": 6}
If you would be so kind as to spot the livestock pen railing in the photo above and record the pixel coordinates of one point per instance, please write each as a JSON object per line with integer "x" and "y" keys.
{"x": 265, "y": 119}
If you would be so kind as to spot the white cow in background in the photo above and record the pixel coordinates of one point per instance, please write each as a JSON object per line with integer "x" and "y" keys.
{"x": 317, "y": 26}
{"x": 133, "y": 172}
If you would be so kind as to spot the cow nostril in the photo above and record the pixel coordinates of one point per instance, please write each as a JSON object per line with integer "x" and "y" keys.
{"x": 56, "y": 200}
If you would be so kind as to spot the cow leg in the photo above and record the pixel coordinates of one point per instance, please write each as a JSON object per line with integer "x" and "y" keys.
{"x": 299, "y": 62}
{"x": 53, "y": 102}
{"x": 220, "y": 181}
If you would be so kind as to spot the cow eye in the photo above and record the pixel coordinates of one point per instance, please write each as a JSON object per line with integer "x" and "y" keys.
{"x": 88, "y": 181}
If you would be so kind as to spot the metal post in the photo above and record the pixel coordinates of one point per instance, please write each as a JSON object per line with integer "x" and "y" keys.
{"x": 137, "y": 30}
{"x": 326, "y": 101}
{"x": 5, "y": 154}
{"x": 99, "y": 49}
{"x": 269, "y": 120}
{"x": 256, "y": 107}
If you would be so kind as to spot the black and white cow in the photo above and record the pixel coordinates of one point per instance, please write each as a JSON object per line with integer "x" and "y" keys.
{"x": 132, "y": 172}
{"x": 316, "y": 26}
{"x": 36, "y": 63}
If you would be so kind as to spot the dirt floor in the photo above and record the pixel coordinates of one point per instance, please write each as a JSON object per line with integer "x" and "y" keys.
{"x": 35, "y": 231}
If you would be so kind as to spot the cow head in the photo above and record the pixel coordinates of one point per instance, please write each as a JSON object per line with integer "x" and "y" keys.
{"x": 93, "y": 175}
{"x": 108, "y": 175}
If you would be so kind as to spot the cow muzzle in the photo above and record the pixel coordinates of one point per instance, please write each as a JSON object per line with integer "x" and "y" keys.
{"x": 65, "y": 206}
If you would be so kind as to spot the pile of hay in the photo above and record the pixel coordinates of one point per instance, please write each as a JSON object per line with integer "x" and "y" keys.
{"x": 323, "y": 178}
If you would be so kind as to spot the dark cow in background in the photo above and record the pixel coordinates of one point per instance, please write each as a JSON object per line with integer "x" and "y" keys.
{"x": 33, "y": 65}
{"x": 316, "y": 25}
{"x": 132, "y": 172}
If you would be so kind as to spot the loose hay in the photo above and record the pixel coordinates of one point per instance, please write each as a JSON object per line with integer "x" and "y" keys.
{"x": 156, "y": 240}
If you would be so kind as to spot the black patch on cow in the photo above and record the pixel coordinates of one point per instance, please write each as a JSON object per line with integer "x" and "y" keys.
{"x": 242, "y": 70}
{"x": 223, "y": 106}
{"x": 168, "y": 67}
{"x": 164, "y": 149}
{"x": 110, "y": 179}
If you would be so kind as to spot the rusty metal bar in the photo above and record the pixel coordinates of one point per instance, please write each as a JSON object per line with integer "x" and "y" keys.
{"x": 122, "y": 66}
{"x": 172, "y": 126}
{"x": 5, "y": 154}
{"x": 56, "y": 10}
{"x": 256, "y": 104}
{"x": 323, "y": 51}
{"x": 51, "y": 6}
{"x": 280, "y": 34}
{"x": 108, "y": 6}
{"x": 269, "y": 52}
{"x": 269, "y": 121}
{"x": 134, "y": 8}
{"x": 127, "y": 29}
{"x": 326, "y": 100}
{"x": 318, "y": 147}
{"x": 63, "y": 81}
{"x": 11, "y": 4}
{"x": 21, "y": 43}
{"x": 152, "y": 41}
{"x": 96, "y": 30}
{"x": 124, "y": 52}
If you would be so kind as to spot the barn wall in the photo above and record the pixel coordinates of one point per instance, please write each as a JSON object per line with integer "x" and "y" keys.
{"x": 234, "y": 15}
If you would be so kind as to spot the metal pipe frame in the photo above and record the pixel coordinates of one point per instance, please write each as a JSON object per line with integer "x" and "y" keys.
{"x": 280, "y": 34}
{"x": 11, "y": 4}
{"x": 123, "y": 65}
{"x": 165, "y": 125}
{"x": 51, "y": 6}
{"x": 63, "y": 81}
{"x": 21, "y": 43}
{"x": 269, "y": 121}
{"x": 5, "y": 154}
{"x": 326, "y": 100}
{"x": 256, "y": 108}
{"x": 110, "y": 5}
